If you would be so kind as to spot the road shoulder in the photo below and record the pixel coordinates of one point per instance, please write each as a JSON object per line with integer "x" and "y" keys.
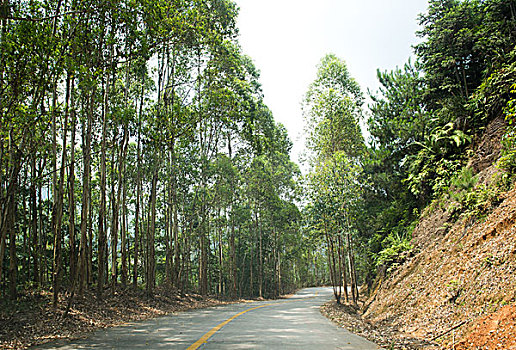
{"x": 348, "y": 316}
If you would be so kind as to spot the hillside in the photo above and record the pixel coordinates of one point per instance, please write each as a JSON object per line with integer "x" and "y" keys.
{"x": 462, "y": 269}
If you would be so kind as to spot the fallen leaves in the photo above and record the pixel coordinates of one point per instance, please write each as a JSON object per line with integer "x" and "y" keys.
{"x": 349, "y": 317}
{"x": 32, "y": 320}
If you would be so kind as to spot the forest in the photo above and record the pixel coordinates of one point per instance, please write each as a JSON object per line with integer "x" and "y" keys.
{"x": 136, "y": 150}
{"x": 366, "y": 196}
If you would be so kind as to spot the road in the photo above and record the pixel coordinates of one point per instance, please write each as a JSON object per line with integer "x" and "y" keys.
{"x": 293, "y": 323}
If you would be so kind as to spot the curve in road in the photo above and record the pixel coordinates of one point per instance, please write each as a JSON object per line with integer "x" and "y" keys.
{"x": 294, "y": 323}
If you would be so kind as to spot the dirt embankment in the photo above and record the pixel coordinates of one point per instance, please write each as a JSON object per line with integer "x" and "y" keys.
{"x": 459, "y": 288}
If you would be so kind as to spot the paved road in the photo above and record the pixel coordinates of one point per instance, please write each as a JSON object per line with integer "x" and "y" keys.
{"x": 293, "y": 323}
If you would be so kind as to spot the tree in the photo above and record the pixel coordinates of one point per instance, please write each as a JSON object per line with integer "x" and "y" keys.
{"x": 332, "y": 111}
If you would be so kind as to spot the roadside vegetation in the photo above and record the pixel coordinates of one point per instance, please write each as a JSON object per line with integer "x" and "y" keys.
{"x": 365, "y": 197}
{"x": 137, "y": 156}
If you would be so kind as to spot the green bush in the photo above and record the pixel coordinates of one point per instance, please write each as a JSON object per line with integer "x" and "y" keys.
{"x": 395, "y": 244}
{"x": 508, "y": 159}
{"x": 461, "y": 184}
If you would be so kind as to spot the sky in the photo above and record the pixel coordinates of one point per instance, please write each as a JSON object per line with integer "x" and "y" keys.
{"x": 287, "y": 38}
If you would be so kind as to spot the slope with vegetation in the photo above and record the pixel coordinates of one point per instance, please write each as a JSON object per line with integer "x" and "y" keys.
{"x": 423, "y": 214}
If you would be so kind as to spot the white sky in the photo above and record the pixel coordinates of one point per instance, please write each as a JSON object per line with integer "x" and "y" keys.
{"x": 287, "y": 38}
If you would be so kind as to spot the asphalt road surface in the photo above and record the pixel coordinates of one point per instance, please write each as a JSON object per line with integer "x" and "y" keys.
{"x": 293, "y": 323}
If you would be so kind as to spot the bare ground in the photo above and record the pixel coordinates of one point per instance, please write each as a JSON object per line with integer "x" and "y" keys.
{"x": 32, "y": 320}
{"x": 459, "y": 286}
{"x": 457, "y": 290}
{"x": 349, "y": 317}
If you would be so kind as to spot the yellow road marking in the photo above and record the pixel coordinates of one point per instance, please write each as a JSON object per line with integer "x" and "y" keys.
{"x": 211, "y": 332}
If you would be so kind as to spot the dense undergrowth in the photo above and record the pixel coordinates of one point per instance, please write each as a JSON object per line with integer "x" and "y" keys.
{"x": 429, "y": 119}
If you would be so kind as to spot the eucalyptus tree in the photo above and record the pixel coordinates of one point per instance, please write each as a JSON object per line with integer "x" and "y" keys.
{"x": 153, "y": 118}
{"x": 332, "y": 110}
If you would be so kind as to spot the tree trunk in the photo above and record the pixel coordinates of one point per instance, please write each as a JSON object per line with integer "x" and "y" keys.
{"x": 203, "y": 255}
{"x": 260, "y": 267}
{"x": 124, "y": 208}
{"x": 25, "y": 263}
{"x": 352, "y": 274}
{"x": 13, "y": 266}
{"x": 7, "y": 220}
{"x": 138, "y": 195}
{"x": 86, "y": 196}
{"x": 116, "y": 210}
{"x": 332, "y": 264}
{"x": 251, "y": 257}
{"x": 232, "y": 259}
{"x": 113, "y": 235}
{"x": 102, "y": 208}
{"x": 221, "y": 267}
{"x": 41, "y": 236}
{"x": 151, "y": 261}
{"x": 57, "y": 213}
{"x": 71, "y": 193}
{"x": 342, "y": 268}
{"x": 34, "y": 223}
{"x": 175, "y": 227}
{"x": 167, "y": 198}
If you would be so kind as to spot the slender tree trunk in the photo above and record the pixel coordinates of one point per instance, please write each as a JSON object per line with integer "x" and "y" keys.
{"x": 351, "y": 268}
{"x": 138, "y": 193}
{"x": 342, "y": 267}
{"x": 251, "y": 259}
{"x": 8, "y": 220}
{"x": 167, "y": 198}
{"x": 151, "y": 261}
{"x": 25, "y": 264}
{"x": 233, "y": 272}
{"x": 332, "y": 264}
{"x": 41, "y": 236}
{"x": 71, "y": 193}
{"x": 175, "y": 223}
{"x": 13, "y": 265}
{"x": 280, "y": 287}
{"x": 203, "y": 267}
{"x": 116, "y": 210}
{"x": 102, "y": 208}
{"x": 260, "y": 267}
{"x": 113, "y": 234}
{"x": 122, "y": 188}
{"x": 89, "y": 249}
{"x": 221, "y": 267}
{"x": 34, "y": 223}
{"x": 187, "y": 254}
{"x": 232, "y": 251}
{"x": 86, "y": 197}
{"x": 58, "y": 203}
{"x": 123, "y": 237}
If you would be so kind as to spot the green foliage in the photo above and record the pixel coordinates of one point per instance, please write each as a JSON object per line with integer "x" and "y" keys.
{"x": 463, "y": 41}
{"x": 170, "y": 114}
{"x": 472, "y": 200}
{"x": 508, "y": 159}
{"x": 481, "y": 201}
{"x": 395, "y": 244}
{"x": 462, "y": 183}
{"x": 436, "y": 161}
{"x": 426, "y": 115}
{"x": 332, "y": 110}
